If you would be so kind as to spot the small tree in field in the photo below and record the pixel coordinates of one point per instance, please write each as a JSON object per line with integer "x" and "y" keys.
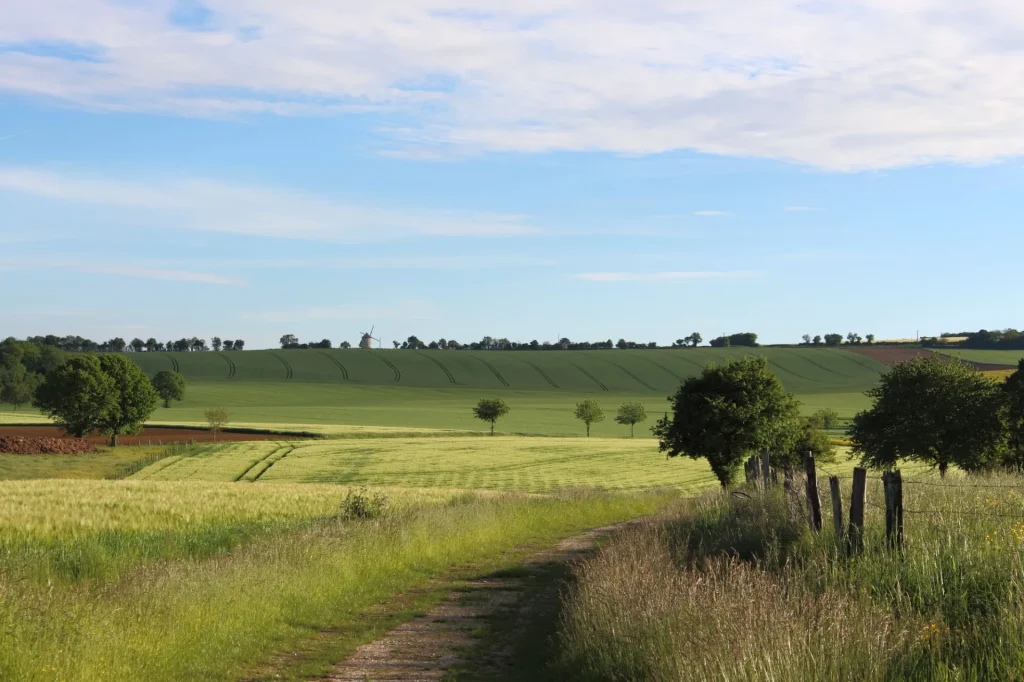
{"x": 631, "y": 413}
{"x": 729, "y": 413}
{"x": 169, "y": 386}
{"x": 589, "y": 412}
{"x": 216, "y": 418}
{"x": 826, "y": 419}
{"x": 937, "y": 410}
{"x": 491, "y": 410}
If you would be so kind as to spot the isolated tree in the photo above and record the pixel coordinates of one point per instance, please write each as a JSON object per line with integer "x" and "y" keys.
{"x": 152, "y": 345}
{"x": 853, "y": 338}
{"x": 229, "y": 344}
{"x": 833, "y": 339}
{"x": 216, "y": 419}
{"x": 729, "y": 413}
{"x": 77, "y": 395}
{"x": 589, "y": 412}
{"x": 631, "y": 413}
{"x": 396, "y": 344}
{"x": 817, "y": 340}
{"x": 169, "y": 386}
{"x": 870, "y": 338}
{"x": 345, "y": 345}
{"x": 696, "y": 339}
{"x": 815, "y": 441}
{"x": 239, "y": 344}
{"x": 135, "y": 399}
{"x": 216, "y": 343}
{"x": 491, "y": 410}
{"x": 137, "y": 345}
{"x": 825, "y": 418}
{"x": 937, "y": 410}
{"x": 807, "y": 339}
{"x": 1013, "y": 391}
{"x": 289, "y": 341}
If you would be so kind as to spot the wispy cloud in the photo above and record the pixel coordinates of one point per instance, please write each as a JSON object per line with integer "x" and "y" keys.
{"x": 841, "y": 85}
{"x": 86, "y": 268}
{"x": 662, "y": 276}
{"x": 711, "y": 213}
{"x": 213, "y": 206}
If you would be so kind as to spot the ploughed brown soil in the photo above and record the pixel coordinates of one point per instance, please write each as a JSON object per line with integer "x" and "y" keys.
{"x": 148, "y": 436}
{"x": 21, "y": 445}
{"x": 893, "y": 355}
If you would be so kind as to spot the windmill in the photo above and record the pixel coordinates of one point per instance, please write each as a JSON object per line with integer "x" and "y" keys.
{"x": 367, "y": 340}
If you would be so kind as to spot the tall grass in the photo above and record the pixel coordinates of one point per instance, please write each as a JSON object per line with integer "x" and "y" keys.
{"x": 739, "y": 589}
{"x": 213, "y": 617}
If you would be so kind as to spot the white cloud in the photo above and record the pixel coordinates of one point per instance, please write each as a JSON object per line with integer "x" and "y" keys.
{"x": 661, "y": 276}
{"x": 710, "y": 214}
{"x": 841, "y": 85}
{"x": 209, "y": 205}
{"x": 84, "y": 267}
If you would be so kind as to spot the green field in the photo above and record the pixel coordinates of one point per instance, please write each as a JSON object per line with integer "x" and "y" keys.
{"x": 993, "y": 357}
{"x": 436, "y": 389}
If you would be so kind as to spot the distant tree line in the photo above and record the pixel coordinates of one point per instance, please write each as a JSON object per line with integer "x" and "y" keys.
{"x": 290, "y": 342}
{"x": 747, "y": 339}
{"x": 77, "y": 344}
{"x": 23, "y": 366}
{"x": 999, "y": 339}
{"x": 853, "y": 339}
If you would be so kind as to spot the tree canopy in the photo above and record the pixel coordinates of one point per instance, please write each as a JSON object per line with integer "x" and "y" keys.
{"x": 169, "y": 386}
{"x": 728, "y": 413}
{"x": 589, "y": 412}
{"x": 491, "y": 410}
{"x": 935, "y": 409}
{"x": 631, "y": 414}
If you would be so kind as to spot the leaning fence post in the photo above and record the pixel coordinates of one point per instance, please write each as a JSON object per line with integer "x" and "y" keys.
{"x": 766, "y": 469}
{"x": 837, "y": 508}
{"x": 893, "y": 483}
{"x": 813, "y": 500}
{"x": 856, "y": 532}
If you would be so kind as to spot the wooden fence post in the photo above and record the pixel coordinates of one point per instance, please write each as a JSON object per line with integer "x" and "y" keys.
{"x": 837, "y": 508}
{"x": 813, "y": 500}
{"x": 766, "y": 469}
{"x": 750, "y": 469}
{"x": 856, "y": 531}
{"x": 893, "y": 483}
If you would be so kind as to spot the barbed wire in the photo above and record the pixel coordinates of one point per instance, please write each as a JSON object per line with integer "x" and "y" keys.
{"x": 913, "y": 481}
{"x": 960, "y": 512}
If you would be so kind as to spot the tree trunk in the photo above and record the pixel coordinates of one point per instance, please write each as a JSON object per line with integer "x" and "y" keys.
{"x": 588, "y": 429}
{"x": 942, "y": 469}
{"x": 167, "y": 402}
{"x": 492, "y": 428}
{"x": 113, "y": 439}
{"x": 631, "y": 430}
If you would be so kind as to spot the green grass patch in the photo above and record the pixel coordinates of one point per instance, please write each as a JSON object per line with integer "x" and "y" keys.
{"x": 108, "y": 462}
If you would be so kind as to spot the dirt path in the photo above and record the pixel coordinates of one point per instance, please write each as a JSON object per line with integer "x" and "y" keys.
{"x": 437, "y": 644}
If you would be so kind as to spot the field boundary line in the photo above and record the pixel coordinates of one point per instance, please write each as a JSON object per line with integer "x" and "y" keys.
{"x": 344, "y": 372}
{"x": 174, "y": 363}
{"x": 632, "y": 376}
{"x": 259, "y": 461}
{"x": 494, "y": 371}
{"x": 288, "y": 373}
{"x": 272, "y": 462}
{"x": 862, "y": 360}
{"x": 231, "y": 365}
{"x": 591, "y": 377}
{"x": 398, "y": 372}
{"x": 543, "y": 374}
{"x": 451, "y": 377}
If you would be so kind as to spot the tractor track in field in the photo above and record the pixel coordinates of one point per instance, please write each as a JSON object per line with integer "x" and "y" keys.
{"x": 257, "y": 463}
{"x": 270, "y": 463}
{"x": 174, "y": 363}
{"x": 689, "y": 362}
{"x": 778, "y": 364}
{"x": 591, "y": 377}
{"x": 451, "y": 377}
{"x": 660, "y": 366}
{"x": 494, "y": 371}
{"x": 288, "y": 372}
{"x": 828, "y": 369}
{"x": 398, "y": 372}
{"x": 632, "y": 376}
{"x": 337, "y": 363}
{"x": 543, "y": 374}
{"x": 231, "y": 365}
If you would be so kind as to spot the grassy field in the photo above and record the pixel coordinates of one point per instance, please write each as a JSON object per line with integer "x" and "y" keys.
{"x": 740, "y": 589}
{"x": 993, "y": 357}
{"x": 120, "y": 581}
{"x": 108, "y": 462}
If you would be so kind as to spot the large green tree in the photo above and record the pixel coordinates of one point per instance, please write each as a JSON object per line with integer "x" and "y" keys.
{"x": 936, "y": 410}
{"x": 728, "y": 413}
{"x": 589, "y": 412}
{"x": 169, "y": 386}
{"x": 77, "y": 394}
{"x": 135, "y": 399}
{"x": 17, "y": 385}
{"x": 1014, "y": 395}
{"x": 491, "y": 410}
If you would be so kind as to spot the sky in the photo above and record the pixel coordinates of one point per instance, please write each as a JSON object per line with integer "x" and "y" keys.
{"x": 531, "y": 170}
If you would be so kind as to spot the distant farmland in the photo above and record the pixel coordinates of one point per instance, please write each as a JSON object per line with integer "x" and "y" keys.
{"x": 633, "y": 372}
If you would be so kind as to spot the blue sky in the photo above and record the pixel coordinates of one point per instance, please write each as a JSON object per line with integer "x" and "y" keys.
{"x": 595, "y": 170}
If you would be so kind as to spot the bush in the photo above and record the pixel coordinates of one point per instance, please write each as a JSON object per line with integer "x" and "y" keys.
{"x": 358, "y": 504}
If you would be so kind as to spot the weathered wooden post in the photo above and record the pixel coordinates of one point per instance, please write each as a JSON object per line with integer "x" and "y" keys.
{"x": 837, "y": 508}
{"x": 893, "y": 484}
{"x": 813, "y": 500}
{"x": 856, "y": 530}
{"x": 748, "y": 470}
{"x": 766, "y": 469}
